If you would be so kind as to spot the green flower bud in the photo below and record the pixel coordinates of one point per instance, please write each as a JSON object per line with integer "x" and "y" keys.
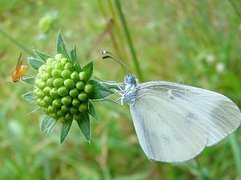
{"x": 69, "y": 67}
{"x": 83, "y": 108}
{"x": 73, "y": 92}
{"x": 66, "y": 74}
{"x": 75, "y": 102}
{"x": 74, "y": 110}
{"x": 39, "y": 94}
{"x": 56, "y": 73}
{"x": 50, "y": 109}
{"x": 58, "y": 82}
{"x": 53, "y": 115}
{"x": 68, "y": 117}
{"x": 49, "y": 61}
{"x": 88, "y": 88}
{"x": 57, "y": 103}
{"x": 35, "y": 92}
{"x": 58, "y": 57}
{"x": 63, "y": 91}
{"x": 75, "y": 76}
{"x": 42, "y": 68}
{"x": 61, "y": 119}
{"x": 41, "y": 84}
{"x": 64, "y": 61}
{"x": 48, "y": 100}
{"x": 80, "y": 85}
{"x": 83, "y": 76}
{"x": 77, "y": 117}
{"x": 82, "y": 96}
{"x": 66, "y": 100}
{"x": 50, "y": 82}
{"x": 45, "y": 110}
{"x": 37, "y": 81}
{"x": 60, "y": 89}
{"x": 49, "y": 69}
{"x": 38, "y": 100}
{"x": 69, "y": 83}
{"x": 60, "y": 113}
{"x": 41, "y": 103}
{"x": 64, "y": 108}
{"x": 59, "y": 66}
{"x": 45, "y": 23}
{"x": 54, "y": 93}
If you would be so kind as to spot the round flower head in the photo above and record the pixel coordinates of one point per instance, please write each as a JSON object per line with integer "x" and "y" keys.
{"x": 59, "y": 86}
{"x": 63, "y": 89}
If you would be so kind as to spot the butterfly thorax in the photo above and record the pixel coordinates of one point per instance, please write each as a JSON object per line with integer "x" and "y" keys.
{"x": 129, "y": 93}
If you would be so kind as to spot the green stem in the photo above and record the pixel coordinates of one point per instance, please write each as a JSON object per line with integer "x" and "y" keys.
{"x": 236, "y": 152}
{"x": 199, "y": 168}
{"x": 128, "y": 38}
{"x": 100, "y": 3}
{"x": 15, "y": 41}
{"x": 235, "y": 7}
{"x": 116, "y": 34}
{"x": 182, "y": 40}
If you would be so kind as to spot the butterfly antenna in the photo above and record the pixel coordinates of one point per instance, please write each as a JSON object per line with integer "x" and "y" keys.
{"x": 109, "y": 55}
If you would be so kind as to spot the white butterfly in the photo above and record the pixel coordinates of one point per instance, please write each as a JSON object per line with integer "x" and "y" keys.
{"x": 175, "y": 122}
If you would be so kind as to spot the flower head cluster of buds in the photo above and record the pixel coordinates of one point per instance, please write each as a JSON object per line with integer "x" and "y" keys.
{"x": 61, "y": 91}
{"x": 64, "y": 90}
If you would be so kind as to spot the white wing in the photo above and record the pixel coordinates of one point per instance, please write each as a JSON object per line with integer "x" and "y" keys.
{"x": 175, "y": 122}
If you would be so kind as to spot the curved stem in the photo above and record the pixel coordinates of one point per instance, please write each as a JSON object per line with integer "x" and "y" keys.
{"x": 15, "y": 41}
{"x": 128, "y": 38}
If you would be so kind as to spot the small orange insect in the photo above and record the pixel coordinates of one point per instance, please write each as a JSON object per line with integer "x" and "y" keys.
{"x": 20, "y": 70}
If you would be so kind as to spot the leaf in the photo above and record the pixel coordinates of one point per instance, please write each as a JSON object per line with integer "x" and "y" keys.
{"x": 73, "y": 57}
{"x": 47, "y": 123}
{"x": 111, "y": 85}
{"x": 92, "y": 112}
{"x": 35, "y": 110}
{"x": 28, "y": 80}
{"x": 88, "y": 69}
{"x": 84, "y": 125}
{"x": 35, "y": 62}
{"x": 65, "y": 129}
{"x": 41, "y": 55}
{"x": 60, "y": 45}
{"x": 28, "y": 96}
{"x": 99, "y": 91}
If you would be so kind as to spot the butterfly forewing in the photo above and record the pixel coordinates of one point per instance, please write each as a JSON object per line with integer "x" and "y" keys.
{"x": 175, "y": 122}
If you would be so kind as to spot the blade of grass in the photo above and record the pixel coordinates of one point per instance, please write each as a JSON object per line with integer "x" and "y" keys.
{"x": 184, "y": 46}
{"x": 235, "y": 7}
{"x": 102, "y": 7}
{"x": 18, "y": 43}
{"x": 236, "y": 153}
{"x": 114, "y": 27}
{"x": 128, "y": 38}
{"x": 116, "y": 32}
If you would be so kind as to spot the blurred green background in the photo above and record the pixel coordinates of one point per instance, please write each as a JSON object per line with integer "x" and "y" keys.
{"x": 194, "y": 42}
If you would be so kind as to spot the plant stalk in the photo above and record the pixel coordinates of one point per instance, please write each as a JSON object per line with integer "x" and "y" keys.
{"x": 128, "y": 38}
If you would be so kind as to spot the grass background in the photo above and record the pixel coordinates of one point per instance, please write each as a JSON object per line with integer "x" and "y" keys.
{"x": 194, "y": 42}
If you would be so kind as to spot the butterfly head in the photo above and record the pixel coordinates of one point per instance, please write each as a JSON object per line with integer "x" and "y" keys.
{"x": 130, "y": 80}
{"x": 130, "y": 90}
